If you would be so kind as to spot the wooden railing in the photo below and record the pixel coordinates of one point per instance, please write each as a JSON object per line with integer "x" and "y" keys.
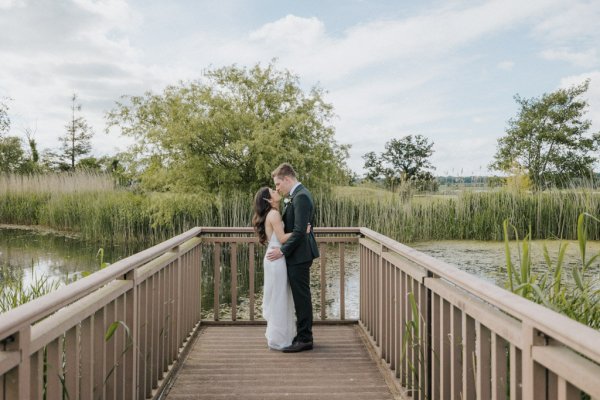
{"x": 225, "y": 246}
{"x": 61, "y": 344}
{"x": 65, "y": 343}
{"x": 464, "y": 338}
{"x": 443, "y": 334}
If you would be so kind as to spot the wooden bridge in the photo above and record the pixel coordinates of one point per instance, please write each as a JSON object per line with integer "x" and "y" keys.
{"x": 419, "y": 329}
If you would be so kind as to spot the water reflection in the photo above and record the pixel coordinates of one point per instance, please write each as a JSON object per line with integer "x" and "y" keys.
{"x": 25, "y": 252}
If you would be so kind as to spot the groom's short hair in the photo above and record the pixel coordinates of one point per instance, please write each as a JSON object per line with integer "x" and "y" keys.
{"x": 284, "y": 170}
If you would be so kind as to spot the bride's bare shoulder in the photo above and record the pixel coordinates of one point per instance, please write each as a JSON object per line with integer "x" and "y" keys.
{"x": 273, "y": 215}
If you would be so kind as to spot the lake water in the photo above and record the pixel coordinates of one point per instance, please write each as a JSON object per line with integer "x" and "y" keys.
{"x": 24, "y": 253}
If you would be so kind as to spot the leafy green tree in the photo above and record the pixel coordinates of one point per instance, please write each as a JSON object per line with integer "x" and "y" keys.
{"x": 404, "y": 160}
{"x": 31, "y": 163}
{"x": 229, "y": 130}
{"x": 11, "y": 154}
{"x": 549, "y": 139}
{"x": 76, "y": 142}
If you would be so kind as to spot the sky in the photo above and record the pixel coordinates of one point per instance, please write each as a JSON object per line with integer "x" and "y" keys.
{"x": 448, "y": 70}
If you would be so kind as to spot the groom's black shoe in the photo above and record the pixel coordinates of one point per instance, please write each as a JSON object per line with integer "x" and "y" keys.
{"x": 298, "y": 346}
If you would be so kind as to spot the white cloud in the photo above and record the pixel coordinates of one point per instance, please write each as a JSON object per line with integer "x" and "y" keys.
{"x": 385, "y": 77}
{"x": 586, "y": 59}
{"x": 506, "y": 65}
{"x": 8, "y": 4}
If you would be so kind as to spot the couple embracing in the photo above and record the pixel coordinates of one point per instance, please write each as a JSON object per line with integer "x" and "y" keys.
{"x": 291, "y": 250}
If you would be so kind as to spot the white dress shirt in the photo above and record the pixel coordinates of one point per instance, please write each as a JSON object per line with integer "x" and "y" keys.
{"x": 294, "y": 188}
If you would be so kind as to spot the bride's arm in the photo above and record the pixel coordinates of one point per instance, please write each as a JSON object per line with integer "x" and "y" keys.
{"x": 274, "y": 219}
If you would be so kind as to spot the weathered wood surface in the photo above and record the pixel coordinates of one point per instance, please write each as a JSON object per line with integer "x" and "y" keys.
{"x": 234, "y": 362}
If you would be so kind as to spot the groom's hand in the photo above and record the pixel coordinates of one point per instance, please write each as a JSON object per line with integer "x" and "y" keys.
{"x": 274, "y": 254}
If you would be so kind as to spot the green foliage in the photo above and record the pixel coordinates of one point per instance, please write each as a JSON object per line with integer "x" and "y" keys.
{"x": 229, "y": 130}
{"x": 127, "y": 217}
{"x": 11, "y": 154}
{"x": 414, "y": 349}
{"x": 548, "y": 138}
{"x": 12, "y": 291}
{"x": 404, "y": 160}
{"x": 579, "y": 300}
{"x": 76, "y": 142}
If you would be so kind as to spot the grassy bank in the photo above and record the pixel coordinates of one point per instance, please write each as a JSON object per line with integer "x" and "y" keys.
{"x": 124, "y": 216}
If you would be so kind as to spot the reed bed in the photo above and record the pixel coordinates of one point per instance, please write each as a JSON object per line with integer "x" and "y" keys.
{"x": 63, "y": 182}
{"x": 122, "y": 216}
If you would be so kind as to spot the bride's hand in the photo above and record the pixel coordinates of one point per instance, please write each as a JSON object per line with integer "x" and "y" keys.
{"x": 308, "y": 228}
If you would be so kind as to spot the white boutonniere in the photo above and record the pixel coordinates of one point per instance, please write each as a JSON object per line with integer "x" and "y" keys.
{"x": 287, "y": 200}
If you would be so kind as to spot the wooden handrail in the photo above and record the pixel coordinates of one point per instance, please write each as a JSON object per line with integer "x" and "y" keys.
{"x": 463, "y": 337}
{"x": 580, "y": 337}
{"x": 41, "y": 307}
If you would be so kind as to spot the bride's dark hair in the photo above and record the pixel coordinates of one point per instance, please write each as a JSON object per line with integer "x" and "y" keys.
{"x": 261, "y": 209}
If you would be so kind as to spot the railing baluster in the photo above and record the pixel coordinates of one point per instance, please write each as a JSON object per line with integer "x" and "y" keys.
{"x": 435, "y": 350}
{"x": 173, "y": 310}
{"x": 54, "y": 371}
{"x": 445, "y": 349}
{"x": 99, "y": 353}
{"x": 468, "y": 347}
{"x": 323, "y": 284}
{"x": 36, "y": 385}
{"x": 251, "y": 256}
{"x": 483, "y": 362}
{"x": 456, "y": 353}
{"x": 120, "y": 348}
{"x": 515, "y": 369}
{"x": 424, "y": 350}
{"x": 499, "y": 369}
{"x": 87, "y": 358}
{"x": 109, "y": 378}
{"x": 403, "y": 324}
{"x": 342, "y": 282}
{"x": 233, "y": 281}
{"x": 217, "y": 280}
{"x": 398, "y": 319}
{"x": 144, "y": 329}
{"x": 151, "y": 321}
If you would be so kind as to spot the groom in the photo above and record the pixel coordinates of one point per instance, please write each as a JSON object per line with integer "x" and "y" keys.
{"x": 299, "y": 251}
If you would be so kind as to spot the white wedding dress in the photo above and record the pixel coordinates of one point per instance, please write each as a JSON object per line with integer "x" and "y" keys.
{"x": 278, "y": 303}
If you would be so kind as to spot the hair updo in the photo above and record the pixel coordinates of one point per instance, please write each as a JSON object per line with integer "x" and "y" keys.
{"x": 261, "y": 209}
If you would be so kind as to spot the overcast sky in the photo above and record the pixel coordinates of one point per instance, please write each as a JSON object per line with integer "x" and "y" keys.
{"x": 445, "y": 69}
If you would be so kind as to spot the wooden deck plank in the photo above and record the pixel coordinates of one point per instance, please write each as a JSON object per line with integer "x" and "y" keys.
{"x": 234, "y": 362}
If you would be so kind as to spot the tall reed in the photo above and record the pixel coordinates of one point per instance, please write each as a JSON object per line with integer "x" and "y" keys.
{"x": 118, "y": 215}
{"x": 579, "y": 299}
{"x": 56, "y": 182}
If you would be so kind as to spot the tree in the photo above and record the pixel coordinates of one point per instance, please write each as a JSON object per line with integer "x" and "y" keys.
{"x": 404, "y": 160}
{"x": 4, "y": 118}
{"x": 11, "y": 154}
{"x": 549, "y": 139}
{"x": 229, "y": 130}
{"x": 77, "y": 140}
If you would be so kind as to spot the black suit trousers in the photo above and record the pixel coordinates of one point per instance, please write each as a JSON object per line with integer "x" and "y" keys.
{"x": 299, "y": 278}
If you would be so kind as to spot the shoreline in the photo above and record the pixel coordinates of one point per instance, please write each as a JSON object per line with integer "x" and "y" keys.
{"x": 41, "y": 229}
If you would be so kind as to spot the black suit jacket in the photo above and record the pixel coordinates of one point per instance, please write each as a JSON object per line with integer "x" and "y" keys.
{"x": 300, "y": 247}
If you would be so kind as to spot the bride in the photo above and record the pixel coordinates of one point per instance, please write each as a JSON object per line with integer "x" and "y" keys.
{"x": 278, "y": 304}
